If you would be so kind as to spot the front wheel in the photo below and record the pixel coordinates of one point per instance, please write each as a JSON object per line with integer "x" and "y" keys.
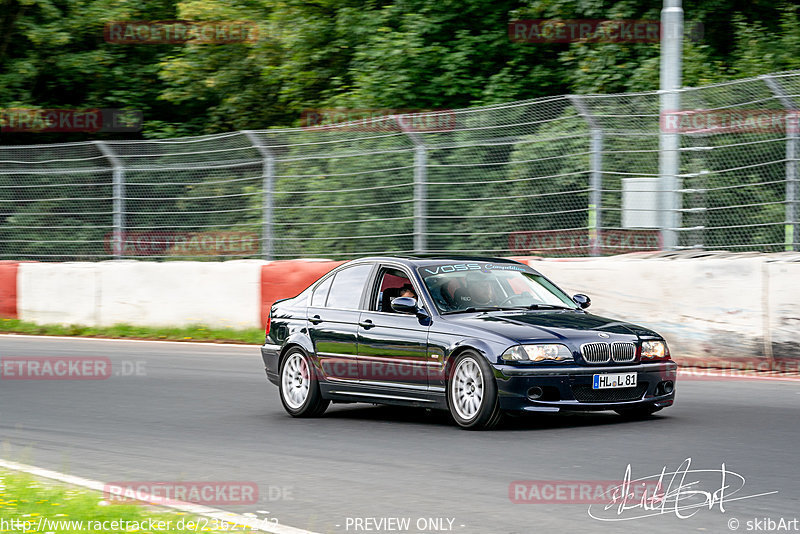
{"x": 472, "y": 393}
{"x": 299, "y": 389}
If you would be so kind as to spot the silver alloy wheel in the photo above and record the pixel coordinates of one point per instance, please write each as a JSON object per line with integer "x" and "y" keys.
{"x": 467, "y": 389}
{"x": 295, "y": 381}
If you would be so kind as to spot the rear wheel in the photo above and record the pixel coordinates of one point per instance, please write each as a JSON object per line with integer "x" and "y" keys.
{"x": 472, "y": 393}
{"x": 640, "y": 412}
{"x": 299, "y": 390}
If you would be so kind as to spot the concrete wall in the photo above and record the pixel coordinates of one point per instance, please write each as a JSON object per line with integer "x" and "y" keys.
{"x": 715, "y": 309}
{"x": 719, "y": 308}
{"x": 219, "y": 294}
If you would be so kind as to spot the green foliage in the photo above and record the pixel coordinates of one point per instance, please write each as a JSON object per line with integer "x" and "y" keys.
{"x": 417, "y": 54}
{"x": 26, "y": 501}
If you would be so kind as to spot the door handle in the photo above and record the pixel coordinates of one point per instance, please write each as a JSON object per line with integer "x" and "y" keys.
{"x": 367, "y": 323}
{"x": 315, "y": 320}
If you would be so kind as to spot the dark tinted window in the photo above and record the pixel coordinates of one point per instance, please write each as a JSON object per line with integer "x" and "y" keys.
{"x": 321, "y": 293}
{"x": 347, "y": 287}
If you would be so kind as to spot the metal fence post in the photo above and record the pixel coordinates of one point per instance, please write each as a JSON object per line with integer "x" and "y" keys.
{"x": 670, "y": 101}
{"x": 118, "y": 195}
{"x": 792, "y": 225}
{"x": 268, "y": 176}
{"x": 595, "y": 175}
{"x": 420, "y": 186}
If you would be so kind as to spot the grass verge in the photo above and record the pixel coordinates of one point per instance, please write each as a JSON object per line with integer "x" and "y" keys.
{"x": 30, "y": 505}
{"x": 124, "y": 331}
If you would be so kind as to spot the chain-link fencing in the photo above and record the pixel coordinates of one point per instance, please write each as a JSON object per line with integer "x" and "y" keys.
{"x": 573, "y": 175}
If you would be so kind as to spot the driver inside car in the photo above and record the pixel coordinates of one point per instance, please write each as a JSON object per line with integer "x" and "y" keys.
{"x": 478, "y": 291}
{"x": 408, "y": 291}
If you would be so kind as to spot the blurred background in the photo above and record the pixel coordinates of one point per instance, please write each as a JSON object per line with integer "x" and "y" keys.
{"x": 458, "y": 138}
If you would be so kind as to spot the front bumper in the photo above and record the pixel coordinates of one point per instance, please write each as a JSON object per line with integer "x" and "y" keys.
{"x": 570, "y": 388}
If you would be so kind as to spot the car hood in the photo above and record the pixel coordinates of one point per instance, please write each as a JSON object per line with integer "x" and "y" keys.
{"x": 543, "y": 326}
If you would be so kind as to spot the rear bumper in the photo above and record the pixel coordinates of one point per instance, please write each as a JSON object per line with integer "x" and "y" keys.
{"x": 570, "y": 388}
{"x": 270, "y": 353}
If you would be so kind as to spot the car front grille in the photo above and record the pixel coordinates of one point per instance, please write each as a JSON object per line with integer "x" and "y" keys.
{"x": 603, "y": 352}
{"x": 585, "y": 393}
{"x": 623, "y": 352}
{"x": 596, "y": 352}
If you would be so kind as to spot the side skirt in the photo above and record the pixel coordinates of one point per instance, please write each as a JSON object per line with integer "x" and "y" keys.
{"x": 383, "y": 395}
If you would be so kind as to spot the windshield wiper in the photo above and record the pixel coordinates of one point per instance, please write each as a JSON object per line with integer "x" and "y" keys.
{"x": 481, "y": 309}
{"x": 546, "y": 307}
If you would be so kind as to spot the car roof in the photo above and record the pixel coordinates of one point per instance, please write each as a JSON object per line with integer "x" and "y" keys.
{"x": 423, "y": 260}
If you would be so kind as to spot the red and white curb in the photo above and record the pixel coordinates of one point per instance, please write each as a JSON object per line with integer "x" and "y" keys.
{"x": 195, "y": 509}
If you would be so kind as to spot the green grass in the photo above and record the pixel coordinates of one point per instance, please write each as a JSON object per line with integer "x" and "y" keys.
{"x": 26, "y": 501}
{"x": 122, "y": 331}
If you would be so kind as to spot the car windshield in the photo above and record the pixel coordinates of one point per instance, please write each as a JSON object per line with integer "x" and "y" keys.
{"x": 478, "y": 286}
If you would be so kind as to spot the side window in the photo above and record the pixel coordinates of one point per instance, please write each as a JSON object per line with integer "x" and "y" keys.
{"x": 393, "y": 283}
{"x": 347, "y": 287}
{"x": 321, "y": 293}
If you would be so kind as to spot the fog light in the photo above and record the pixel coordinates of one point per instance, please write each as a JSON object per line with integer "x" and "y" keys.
{"x": 535, "y": 393}
{"x": 669, "y": 387}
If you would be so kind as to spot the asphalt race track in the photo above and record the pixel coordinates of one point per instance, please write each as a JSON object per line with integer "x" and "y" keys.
{"x": 207, "y": 413}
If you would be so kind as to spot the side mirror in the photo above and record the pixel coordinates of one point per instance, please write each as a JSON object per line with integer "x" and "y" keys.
{"x": 582, "y": 300}
{"x": 405, "y": 305}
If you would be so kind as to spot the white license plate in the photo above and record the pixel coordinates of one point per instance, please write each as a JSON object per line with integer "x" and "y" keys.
{"x": 614, "y": 380}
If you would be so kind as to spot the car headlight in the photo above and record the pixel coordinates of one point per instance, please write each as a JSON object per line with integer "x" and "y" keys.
{"x": 537, "y": 353}
{"x": 654, "y": 350}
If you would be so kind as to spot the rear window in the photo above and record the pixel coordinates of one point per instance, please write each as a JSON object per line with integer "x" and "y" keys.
{"x": 321, "y": 293}
{"x": 347, "y": 286}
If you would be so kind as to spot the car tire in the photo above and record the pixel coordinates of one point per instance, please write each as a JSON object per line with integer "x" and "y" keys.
{"x": 472, "y": 393}
{"x": 640, "y": 412}
{"x": 299, "y": 389}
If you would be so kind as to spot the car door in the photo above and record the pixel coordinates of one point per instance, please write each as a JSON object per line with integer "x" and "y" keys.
{"x": 392, "y": 347}
{"x": 333, "y": 317}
